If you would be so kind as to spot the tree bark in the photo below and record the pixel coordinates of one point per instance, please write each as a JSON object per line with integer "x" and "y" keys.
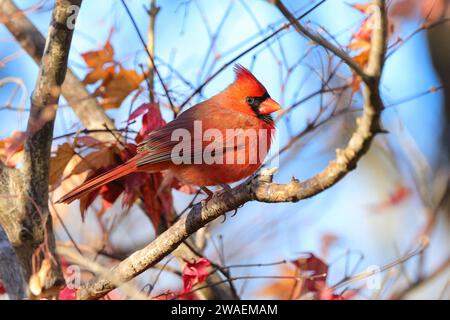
{"x": 24, "y": 212}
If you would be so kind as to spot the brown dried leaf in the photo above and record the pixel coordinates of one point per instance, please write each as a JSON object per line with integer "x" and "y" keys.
{"x": 283, "y": 289}
{"x": 98, "y": 58}
{"x": 117, "y": 87}
{"x": 98, "y": 74}
{"x": 95, "y": 160}
{"x": 58, "y": 163}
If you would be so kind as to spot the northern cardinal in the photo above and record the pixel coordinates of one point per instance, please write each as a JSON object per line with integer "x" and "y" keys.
{"x": 245, "y": 104}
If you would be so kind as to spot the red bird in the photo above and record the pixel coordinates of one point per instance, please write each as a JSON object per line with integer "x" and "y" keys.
{"x": 244, "y": 108}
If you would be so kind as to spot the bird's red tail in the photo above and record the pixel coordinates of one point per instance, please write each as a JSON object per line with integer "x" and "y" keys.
{"x": 99, "y": 181}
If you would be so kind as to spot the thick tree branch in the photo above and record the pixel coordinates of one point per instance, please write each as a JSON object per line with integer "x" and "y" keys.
{"x": 317, "y": 38}
{"x": 261, "y": 188}
{"x": 24, "y": 212}
{"x": 90, "y": 113}
{"x": 13, "y": 281}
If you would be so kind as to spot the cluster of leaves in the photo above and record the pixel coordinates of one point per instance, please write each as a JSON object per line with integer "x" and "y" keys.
{"x": 395, "y": 198}
{"x": 116, "y": 82}
{"x": 195, "y": 272}
{"x": 309, "y": 276}
{"x": 361, "y": 41}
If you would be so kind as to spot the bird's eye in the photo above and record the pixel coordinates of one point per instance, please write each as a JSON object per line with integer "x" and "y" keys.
{"x": 250, "y": 100}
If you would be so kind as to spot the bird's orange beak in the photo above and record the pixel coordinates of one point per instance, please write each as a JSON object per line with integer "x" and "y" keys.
{"x": 268, "y": 106}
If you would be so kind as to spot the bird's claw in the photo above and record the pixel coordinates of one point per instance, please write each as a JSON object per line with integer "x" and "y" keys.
{"x": 209, "y": 194}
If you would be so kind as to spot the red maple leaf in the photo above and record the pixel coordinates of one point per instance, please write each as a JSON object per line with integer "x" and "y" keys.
{"x": 317, "y": 271}
{"x": 195, "y": 271}
{"x": 2, "y": 288}
{"x": 151, "y": 120}
{"x": 327, "y": 293}
{"x": 67, "y": 294}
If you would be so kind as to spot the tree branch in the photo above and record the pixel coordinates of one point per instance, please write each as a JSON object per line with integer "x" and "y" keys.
{"x": 261, "y": 188}
{"x": 24, "y": 211}
{"x": 15, "y": 285}
{"x": 90, "y": 113}
{"x": 317, "y": 38}
{"x": 420, "y": 283}
{"x": 152, "y": 13}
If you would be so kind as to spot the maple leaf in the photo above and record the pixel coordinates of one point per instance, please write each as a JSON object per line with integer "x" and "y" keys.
{"x": 395, "y": 198}
{"x": 87, "y": 200}
{"x": 117, "y": 82}
{"x": 2, "y": 288}
{"x": 96, "y": 60}
{"x": 361, "y": 41}
{"x": 144, "y": 108}
{"x": 362, "y": 59}
{"x": 284, "y": 289}
{"x": 117, "y": 86}
{"x": 58, "y": 163}
{"x": 313, "y": 273}
{"x": 96, "y": 160}
{"x": 151, "y": 120}
{"x": 99, "y": 74}
{"x": 326, "y": 293}
{"x": 195, "y": 271}
{"x": 317, "y": 271}
{"x": 67, "y": 293}
{"x": 109, "y": 193}
{"x": 132, "y": 184}
{"x": 157, "y": 202}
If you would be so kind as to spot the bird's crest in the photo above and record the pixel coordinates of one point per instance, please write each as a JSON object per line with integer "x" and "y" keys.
{"x": 244, "y": 76}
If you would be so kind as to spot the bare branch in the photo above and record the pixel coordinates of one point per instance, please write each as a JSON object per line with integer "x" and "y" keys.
{"x": 15, "y": 284}
{"x": 317, "y": 38}
{"x": 420, "y": 283}
{"x": 150, "y": 56}
{"x": 152, "y": 12}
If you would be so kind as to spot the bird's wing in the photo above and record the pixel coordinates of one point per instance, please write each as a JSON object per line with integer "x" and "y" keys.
{"x": 159, "y": 145}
